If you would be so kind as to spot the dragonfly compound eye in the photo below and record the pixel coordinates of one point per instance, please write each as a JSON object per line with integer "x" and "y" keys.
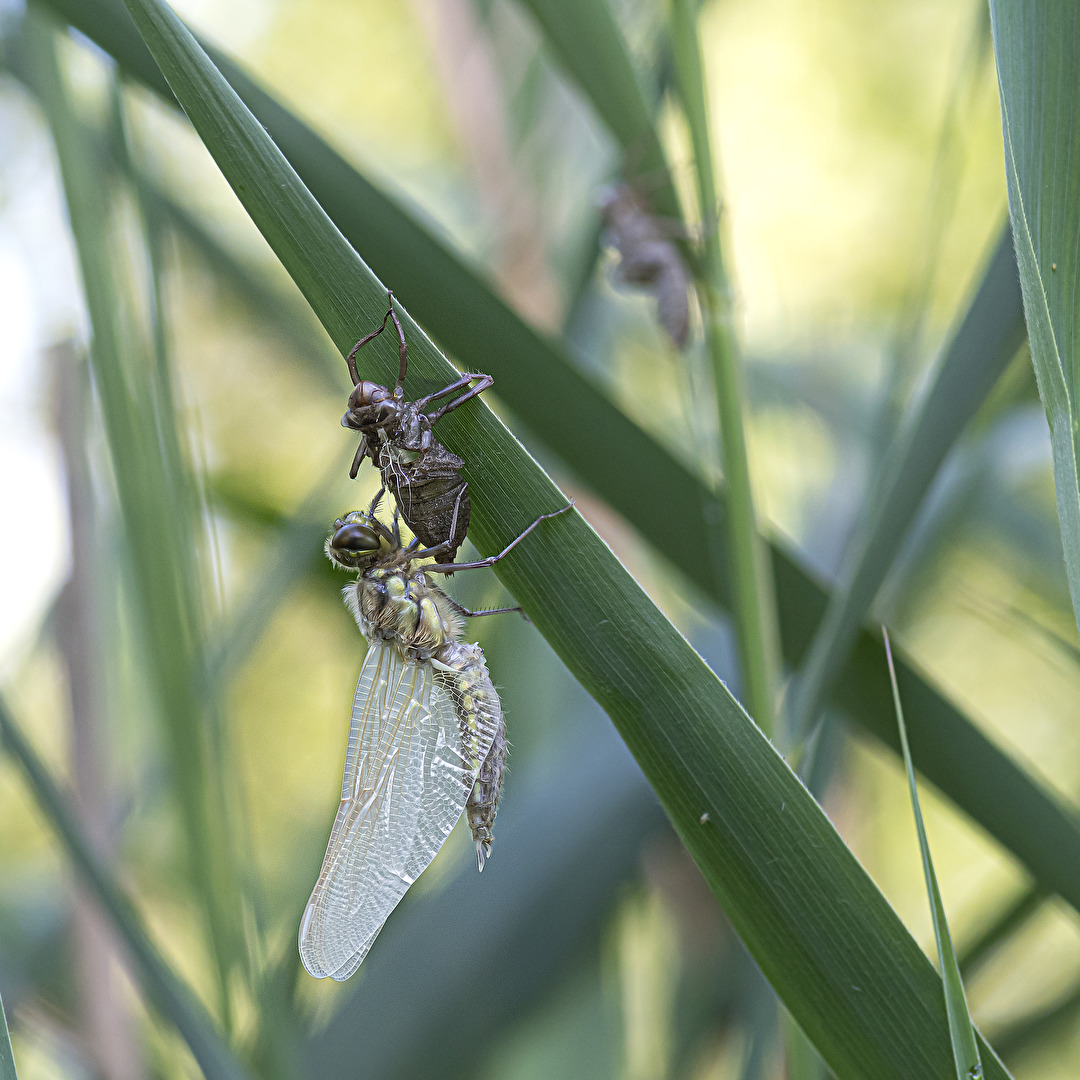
{"x": 353, "y": 544}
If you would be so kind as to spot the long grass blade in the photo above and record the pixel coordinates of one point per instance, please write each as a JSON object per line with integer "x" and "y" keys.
{"x": 987, "y": 338}
{"x": 961, "y": 1030}
{"x": 543, "y": 387}
{"x": 961, "y": 760}
{"x": 1037, "y": 47}
{"x": 170, "y": 997}
{"x": 824, "y": 936}
{"x": 7, "y": 1058}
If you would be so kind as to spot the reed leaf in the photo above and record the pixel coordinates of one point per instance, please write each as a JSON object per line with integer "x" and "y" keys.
{"x": 1037, "y": 47}
{"x": 986, "y": 338}
{"x": 961, "y": 1031}
{"x": 156, "y": 508}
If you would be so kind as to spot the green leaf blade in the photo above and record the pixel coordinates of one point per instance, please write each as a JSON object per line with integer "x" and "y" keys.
{"x": 961, "y": 1031}
{"x": 589, "y": 45}
{"x": 1038, "y": 59}
{"x": 155, "y": 505}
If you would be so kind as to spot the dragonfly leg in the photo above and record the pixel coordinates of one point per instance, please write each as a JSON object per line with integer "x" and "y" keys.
{"x": 462, "y": 610}
{"x": 449, "y": 568}
{"x": 402, "y": 348}
{"x": 361, "y": 453}
{"x": 397, "y": 526}
{"x": 351, "y": 358}
{"x": 485, "y": 381}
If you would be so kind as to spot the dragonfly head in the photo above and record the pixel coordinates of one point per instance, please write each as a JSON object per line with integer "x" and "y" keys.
{"x": 372, "y": 407}
{"x": 356, "y": 542}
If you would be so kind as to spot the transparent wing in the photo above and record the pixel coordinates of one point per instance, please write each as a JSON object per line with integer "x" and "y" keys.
{"x": 405, "y": 786}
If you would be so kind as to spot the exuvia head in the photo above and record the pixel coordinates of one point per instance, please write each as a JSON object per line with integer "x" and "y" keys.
{"x": 372, "y": 406}
{"x": 356, "y": 542}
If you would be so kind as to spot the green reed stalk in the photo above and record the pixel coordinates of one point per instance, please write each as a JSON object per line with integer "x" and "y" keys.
{"x": 756, "y": 621}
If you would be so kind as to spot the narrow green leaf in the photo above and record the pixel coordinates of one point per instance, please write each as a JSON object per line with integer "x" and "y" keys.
{"x": 169, "y": 995}
{"x": 824, "y": 936}
{"x": 7, "y": 1058}
{"x": 986, "y": 339}
{"x": 1037, "y": 46}
{"x": 540, "y": 383}
{"x": 961, "y": 1031}
{"x": 1042, "y": 1027}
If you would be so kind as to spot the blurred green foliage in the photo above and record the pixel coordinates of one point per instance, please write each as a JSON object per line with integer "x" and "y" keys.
{"x": 187, "y": 691}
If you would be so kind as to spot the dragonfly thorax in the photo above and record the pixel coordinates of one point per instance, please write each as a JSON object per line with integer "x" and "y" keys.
{"x": 401, "y": 606}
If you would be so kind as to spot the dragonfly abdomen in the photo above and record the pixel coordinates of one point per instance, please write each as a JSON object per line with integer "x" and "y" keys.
{"x": 463, "y": 671}
{"x": 483, "y": 801}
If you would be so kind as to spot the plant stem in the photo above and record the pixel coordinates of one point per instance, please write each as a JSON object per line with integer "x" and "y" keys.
{"x": 755, "y": 600}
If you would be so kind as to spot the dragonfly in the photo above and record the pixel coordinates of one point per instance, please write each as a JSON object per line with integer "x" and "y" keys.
{"x": 423, "y": 475}
{"x": 427, "y": 740}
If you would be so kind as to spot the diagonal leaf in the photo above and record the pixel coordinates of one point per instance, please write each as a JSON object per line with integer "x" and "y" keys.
{"x": 1042, "y": 1027}
{"x": 1007, "y": 922}
{"x": 442, "y": 292}
{"x": 1038, "y": 61}
{"x": 991, "y": 331}
{"x": 962, "y": 761}
{"x": 169, "y": 995}
{"x": 961, "y": 1032}
{"x": 546, "y": 390}
{"x": 825, "y": 937}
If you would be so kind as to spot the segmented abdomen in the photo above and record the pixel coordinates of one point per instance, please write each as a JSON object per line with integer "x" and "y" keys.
{"x": 478, "y": 707}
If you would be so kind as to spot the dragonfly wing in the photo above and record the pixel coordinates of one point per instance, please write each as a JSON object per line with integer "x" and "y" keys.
{"x": 461, "y": 747}
{"x": 404, "y": 788}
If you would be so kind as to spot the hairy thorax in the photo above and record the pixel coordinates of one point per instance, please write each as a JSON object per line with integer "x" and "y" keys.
{"x": 393, "y": 604}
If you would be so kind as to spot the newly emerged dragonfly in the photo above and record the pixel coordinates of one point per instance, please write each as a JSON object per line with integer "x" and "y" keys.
{"x": 427, "y": 741}
{"x": 423, "y": 476}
